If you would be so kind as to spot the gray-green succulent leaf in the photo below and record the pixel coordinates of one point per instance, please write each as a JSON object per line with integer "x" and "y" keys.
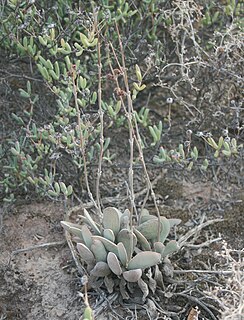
{"x": 114, "y": 263}
{"x": 132, "y": 275}
{"x": 111, "y": 219}
{"x": 143, "y": 260}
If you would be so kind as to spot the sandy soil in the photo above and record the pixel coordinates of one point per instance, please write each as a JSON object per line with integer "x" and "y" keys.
{"x": 42, "y": 283}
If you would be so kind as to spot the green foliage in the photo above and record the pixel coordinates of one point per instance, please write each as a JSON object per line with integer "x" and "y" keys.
{"x": 142, "y": 116}
{"x": 58, "y": 62}
{"x": 61, "y": 41}
{"x": 225, "y": 147}
{"x": 156, "y": 132}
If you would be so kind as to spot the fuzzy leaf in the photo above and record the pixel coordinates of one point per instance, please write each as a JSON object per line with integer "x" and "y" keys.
{"x": 77, "y": 240}
{"x": 108, "y": 234}
{"x": 142, "y": 240}
{"x": 122, "y": 254}
{"x": 158, "y": 277}
{"x": 149, "y": 229}
{"x": 87, "y": 236}
{"x": 168, "y": 268}
{"x": 109, "y": 283}
{"x": 111, "y": 219}
{"x": 95, "y": 282}
{"x": 132, "y": 275}
{"x": 109, "y": 245}
{"x": 87, "y": 221}
{"x": 144, "y": 259}
{"x": 144, "y": 288}
{"x": 91, "y": 222}
{"x": 147, "y": 217}
{"x": 101, "y": 269}
{"x": 99, "y": 250}
{"x": 129, "y": 241}
{"x": 171, "y": 246}
{"x": 114, "y": 264}
{"x": 159, "y": 247}
{"x": 85, "y": 253}
{"x": 73, "y": 228}
{"x": 165, "y": 229}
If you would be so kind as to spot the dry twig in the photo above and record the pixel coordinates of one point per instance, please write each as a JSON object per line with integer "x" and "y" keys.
{"x": 39, "y": 246}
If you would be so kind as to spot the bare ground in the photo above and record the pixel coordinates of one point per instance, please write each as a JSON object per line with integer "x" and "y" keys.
{"x": 41, "y": 282}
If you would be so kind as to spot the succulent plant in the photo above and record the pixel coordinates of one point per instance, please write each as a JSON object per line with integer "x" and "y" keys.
{"x": 119, "y": 255}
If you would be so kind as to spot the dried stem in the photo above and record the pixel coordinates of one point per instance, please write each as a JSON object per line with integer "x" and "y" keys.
{"x": 75, "y": 256}
{"x": 198, "y": 302}
{"x": 82, "y": 142}
{"x": 134, "y": 134}
{"x": 39, "y": 246}
{"x": 131, "y": 135}
{"x": 217, "y": 272}
{"x": 183, "y": 240}
{"x": 130, "y": 117}
{"x": 100, "y": 112}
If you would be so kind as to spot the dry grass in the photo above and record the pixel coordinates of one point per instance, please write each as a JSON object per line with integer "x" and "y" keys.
{"x": 230, "y": 294}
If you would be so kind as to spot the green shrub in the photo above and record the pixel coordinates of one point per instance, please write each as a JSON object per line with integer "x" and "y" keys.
{"x": 172, "y": 50}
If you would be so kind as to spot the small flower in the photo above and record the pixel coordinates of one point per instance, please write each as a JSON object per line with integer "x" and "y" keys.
{"x": 169, "y": 100}
{"x": 225, "y": 132}
{"x": 189, "y": 132}
{"x": 199, "y": 134}
{"x": 208, "y": 134}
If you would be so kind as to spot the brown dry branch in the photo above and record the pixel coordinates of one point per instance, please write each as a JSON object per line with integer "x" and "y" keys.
{"x": 183, "y": 241}
{"x": 82, "y": 142}
{"x": 131, "y": 136}
{"x": 80, "y": 268}
{"x": 128, "y": 112}
{"x": 39, "y": 246}
{"x": 134, "y": 133}
{"x": 100, "y": 112}
{"x": 107, "y": 303}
